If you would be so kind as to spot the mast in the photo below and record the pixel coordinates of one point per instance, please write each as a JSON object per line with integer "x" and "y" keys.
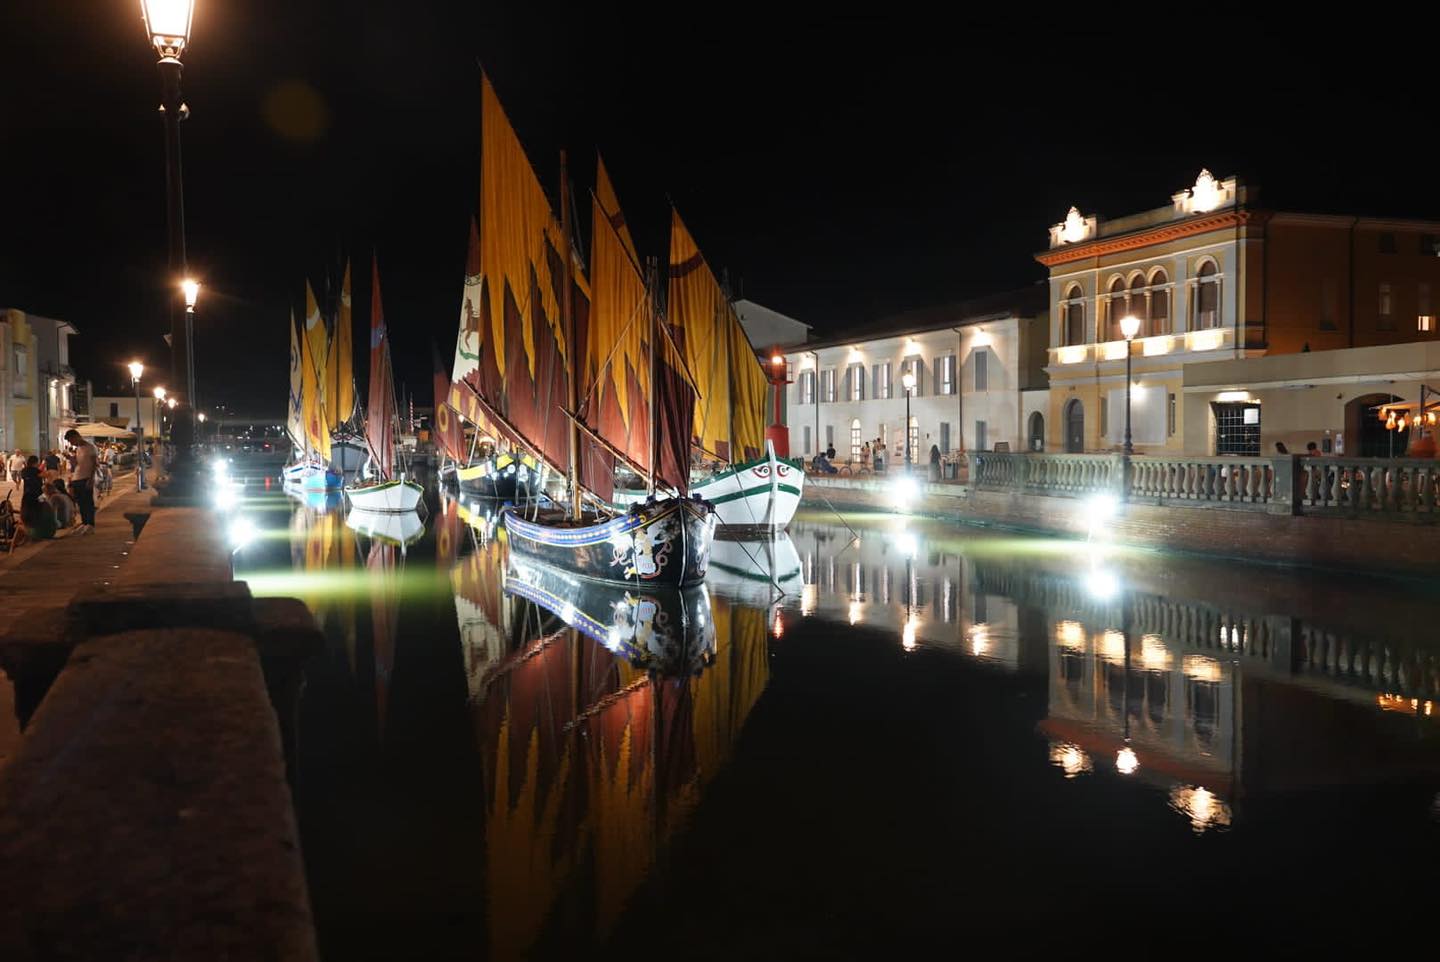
{"x": 652, "y": 270}
{"x": 567, "y": 320}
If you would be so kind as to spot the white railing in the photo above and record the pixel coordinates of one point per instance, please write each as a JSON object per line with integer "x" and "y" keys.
{"x": 1353, "y": 487}
{"x": 1370, "y": 485}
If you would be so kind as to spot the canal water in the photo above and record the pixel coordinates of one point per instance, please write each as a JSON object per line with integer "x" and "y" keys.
{"x": 875, "y": 736}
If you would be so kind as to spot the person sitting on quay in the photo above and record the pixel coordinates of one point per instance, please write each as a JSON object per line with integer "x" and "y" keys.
{"x": 823, "y": 465}
{"x": 61, "y": 503}
{"x": 35, "y": 511}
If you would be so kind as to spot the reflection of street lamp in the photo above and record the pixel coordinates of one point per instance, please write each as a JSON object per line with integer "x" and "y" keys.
{"x": 168, "y": 24}
{"x": 909, "y": 381}
{"x": 1129, "y": 326}
{"x": 137, "y": 369}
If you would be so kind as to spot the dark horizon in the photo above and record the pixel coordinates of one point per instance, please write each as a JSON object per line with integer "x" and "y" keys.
{"x": 839, "y": 170}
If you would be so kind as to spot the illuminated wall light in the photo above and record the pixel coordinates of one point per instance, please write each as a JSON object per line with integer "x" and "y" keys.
{"x": 1233, "y": 396}
{"x": 981, "y": 338}
{"x": 1206, "y": 340}
{"x": 855, "y": 356}
{"x": 1073, "y": 354}
{"x": 1115, "y": 350}
{"x": 1152, "y": 346}
{"x": 1207, "y": 194}
{"x": 1074, "y": 228}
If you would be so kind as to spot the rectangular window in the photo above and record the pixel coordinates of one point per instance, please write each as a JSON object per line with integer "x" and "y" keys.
{"x": 915, "y": 365}
{"x": 1387, "y": 243}
{"x": 827, "y": 385}
{"x": 944, "y": 437}
{"x": 856, "y": 377}
{"x": 946, "y": 374}
{"x": 807, "y": 439}
{"x": 1425, "y": 322}
{"x": 807, "y": 387}
{"x": 114, "y": 410}
{"x": 914, "y": 440}
{"x": 855, "y": 441}
{"x": 1170, "y": 411}
{"x": 981, "y": 358}
{"x": 829, "y": 436}
{"x": 1386, "y": 309}
{"x": 1237, "y": 428}
{"x": 980, "y": 438}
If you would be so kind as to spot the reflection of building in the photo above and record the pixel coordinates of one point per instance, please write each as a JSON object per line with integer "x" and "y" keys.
{"x": 1213, "y": 277}
{"x": 971, "y": 361}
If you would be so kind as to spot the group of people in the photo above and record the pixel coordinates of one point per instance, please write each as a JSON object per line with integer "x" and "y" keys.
{"x": 872, "y": 453}
{"x": 50, "y": 502}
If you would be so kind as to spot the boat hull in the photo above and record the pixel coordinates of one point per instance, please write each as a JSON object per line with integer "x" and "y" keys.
{"x": 501, "y": 476}
{"x": 667, "y": 630}
{"x": 312, "y": 477}
{"x": 663, "y": 542}
{"x": 348, "y": 455}
{"x": 757, "y": 497}
{"x": 391, "y": 497}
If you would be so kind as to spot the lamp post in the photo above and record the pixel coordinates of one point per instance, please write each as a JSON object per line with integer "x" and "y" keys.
{"x": 137, "y": 369}
{"x": 201, "y": 418}
{"x": 191, "y": 288}
{"x": 167, "y": 22}
{"x": 1129, "y": 326}
{"x": 909, "y": 381}
{"x": 157, "y": 411}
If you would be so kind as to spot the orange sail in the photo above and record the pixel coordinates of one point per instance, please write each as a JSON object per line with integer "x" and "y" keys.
{"x": 341, "y": 370}
{"x": 313, "y": 350}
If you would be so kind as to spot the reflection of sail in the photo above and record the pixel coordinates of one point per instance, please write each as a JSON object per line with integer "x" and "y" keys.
{"x": 593, "y": 761}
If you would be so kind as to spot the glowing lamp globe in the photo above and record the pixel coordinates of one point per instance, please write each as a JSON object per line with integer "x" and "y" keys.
{"x": 191, "y": 287}
{"x": 1129, "y": 326}
{"x": 168, "y": 24}
{"x": 136, "y": 369}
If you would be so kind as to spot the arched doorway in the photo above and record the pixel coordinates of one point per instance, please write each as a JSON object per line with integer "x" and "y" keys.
{"x": 1037, "y": 431}
{"x": 1074, "y": 427}
{"x": 1366, "y": 435}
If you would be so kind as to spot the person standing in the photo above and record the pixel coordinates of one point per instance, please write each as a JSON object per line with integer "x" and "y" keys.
{"x": 82, "y": 480}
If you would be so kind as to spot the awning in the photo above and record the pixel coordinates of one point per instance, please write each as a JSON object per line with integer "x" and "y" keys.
{"x": 99, "y": 429}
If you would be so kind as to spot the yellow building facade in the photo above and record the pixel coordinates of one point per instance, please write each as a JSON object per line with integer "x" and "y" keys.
{"x": 19, "y": 386}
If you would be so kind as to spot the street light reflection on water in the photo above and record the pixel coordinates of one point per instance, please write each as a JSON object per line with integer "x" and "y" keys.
{"x": 1059, "y": 699}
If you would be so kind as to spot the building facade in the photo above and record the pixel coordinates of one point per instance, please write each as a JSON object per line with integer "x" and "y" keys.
{"x": 1215, "y": 277}
{"x": 55, "y": 396}
{"x": 119, "y": 411}
{"x": 19, "y": 384}
{"x": 971, "y": 362}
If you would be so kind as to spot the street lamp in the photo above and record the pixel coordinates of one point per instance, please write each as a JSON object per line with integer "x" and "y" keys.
{"x": 1129, "y": 326}
{"x": 191, "y": 288}
{"x": 167, "y": 23}
{"x": 137, "y": 369}
{"x": 909, "y": 381}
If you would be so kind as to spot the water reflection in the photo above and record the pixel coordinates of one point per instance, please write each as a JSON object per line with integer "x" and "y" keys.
{"x": 537, "y": 761}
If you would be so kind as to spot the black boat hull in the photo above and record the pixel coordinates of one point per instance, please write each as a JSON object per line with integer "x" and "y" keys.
{"x": 656, "y": 543}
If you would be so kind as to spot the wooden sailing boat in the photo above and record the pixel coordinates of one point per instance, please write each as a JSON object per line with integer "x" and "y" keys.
{"x": 753, "y": 490}
{"x": 520, "y": 361}
{"x": 311, "y": 469}
{"x": 388, "y": 492}
{"x": 348, "y": 451}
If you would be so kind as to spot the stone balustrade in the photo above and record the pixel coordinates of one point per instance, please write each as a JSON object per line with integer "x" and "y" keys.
{"x": 1370, "y": 486}
{"x": 1351, "y": 487}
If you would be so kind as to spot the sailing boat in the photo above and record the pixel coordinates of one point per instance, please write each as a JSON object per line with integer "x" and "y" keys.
{"x": 753, "y": 490}
{"x": 347, "y": 446}
{"x": 310, "y": 435}
{"x": 519, "y": 361}
{"x": 494, "y": 469}
{"x": 385, "y": 493}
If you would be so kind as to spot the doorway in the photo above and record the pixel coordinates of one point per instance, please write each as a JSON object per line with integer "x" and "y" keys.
{"x": 1037, "y": 431}
{"x": 1074, "y": 426}
{"x": 1366, "y": 435}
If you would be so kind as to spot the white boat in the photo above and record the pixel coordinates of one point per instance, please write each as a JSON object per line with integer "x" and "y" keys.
{"x": 756, "y": 497}
{"x": 387, "y": 492}
{"x": 399, "y": 528}
{"x": 312, "y": 476}
{"x": 385, "y": 496}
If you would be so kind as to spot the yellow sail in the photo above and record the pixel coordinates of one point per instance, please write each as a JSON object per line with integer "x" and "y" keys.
{"x": 341, "y": 388}
{"x": 610, "y": 203}
{"x": 749, "y": 388}
{"x": 313, "y": 350}
{"x": 619, "y": 333}
{"x": 295, "y": 418}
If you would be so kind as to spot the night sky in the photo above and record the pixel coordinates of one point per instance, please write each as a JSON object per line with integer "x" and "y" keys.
{"x": 840, "y": 169}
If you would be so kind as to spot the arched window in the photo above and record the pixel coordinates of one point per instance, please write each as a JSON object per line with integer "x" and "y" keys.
{"x": 1116, "y": 310}
{"x": 1137, "y": 303}
{"x": 1207, "y": 297}
{"x": 1073, "y": 316}
{"x": 855, "y": 441}
{"x": 1159, "y": 303}
{"x": 914, "y": 440}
